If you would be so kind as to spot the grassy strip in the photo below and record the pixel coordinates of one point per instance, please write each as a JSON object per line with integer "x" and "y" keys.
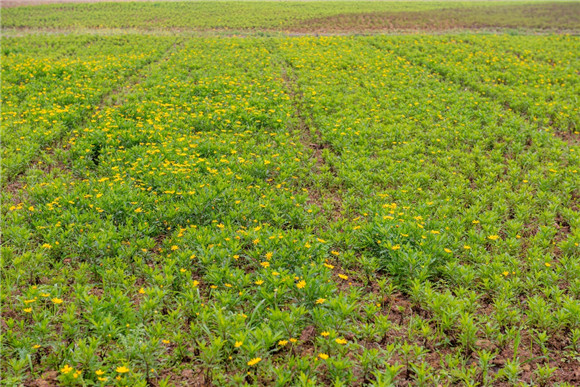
{"x": 294, "y": 16}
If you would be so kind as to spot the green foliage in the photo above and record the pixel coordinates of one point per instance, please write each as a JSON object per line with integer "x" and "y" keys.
{"x": 308, "y": 211}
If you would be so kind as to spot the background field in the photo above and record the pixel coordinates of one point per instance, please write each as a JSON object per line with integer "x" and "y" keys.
{"x": 297, "y": 17}
{"x": 182, "y": 206}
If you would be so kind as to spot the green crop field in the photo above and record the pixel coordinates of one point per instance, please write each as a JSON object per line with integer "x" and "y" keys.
{"x": 294, "y": 16}
{"x": 290, "y": 194}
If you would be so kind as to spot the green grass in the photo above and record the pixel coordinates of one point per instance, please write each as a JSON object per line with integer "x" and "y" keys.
{"x": 336, "y": 210}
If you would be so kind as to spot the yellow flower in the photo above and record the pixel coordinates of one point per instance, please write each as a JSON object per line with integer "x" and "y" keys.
{"x": 447, "y": 250}
{"x": 301, "y": 284}
{"x": 174, "y": 247}
{"x": 265, "y": 264}
{"x": 238, "y": 344}
{"x": 341, "y": 341}
{"x": 66, "y": 369}
{"x": 320, "y": 301}
{"x": 138, "y": 210}
{"x": 493, "y": 237}
{"x": 57, "y": 300}
{"x": 27, "y": 310}
{"x": 325, "y": 333}
{"x": 293, "y": 340}
{"x": 342, "y": 276}
{"x": 47, "y": 246}
{"x": 323, "y": 356}
{"x": 99, "y": 372}
{"x": 122, "y": 370}
{"x": 36, "y": 346}
{"x": 269, "y": 256}
{"x": 547, "y": 264}
{"x": 282, "y": 342}
{"x": 254, "y": 361}
{"x": 335, "y": 253}
{"x": 102, "y": 379}
{"x": 466, "y": 247}
{"x": 259, "y": 282}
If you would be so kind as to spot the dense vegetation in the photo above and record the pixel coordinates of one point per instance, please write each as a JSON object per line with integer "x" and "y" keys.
{"x": 339, "y": 210}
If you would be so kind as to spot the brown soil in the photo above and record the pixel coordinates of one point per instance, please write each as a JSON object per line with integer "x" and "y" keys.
{"x": 311, "y": 138}
{"x": 536, "y": 16}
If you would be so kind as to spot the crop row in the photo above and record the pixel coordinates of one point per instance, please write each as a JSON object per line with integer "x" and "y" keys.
{"x": 50, "y": 85}
{"x": 545, "y": 90}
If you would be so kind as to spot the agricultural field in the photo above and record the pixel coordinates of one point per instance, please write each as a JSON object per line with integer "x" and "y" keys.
{"x": 295, "y": 17}
{"x": 205, "y": 209}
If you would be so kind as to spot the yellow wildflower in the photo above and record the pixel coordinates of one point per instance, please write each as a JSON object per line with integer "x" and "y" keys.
{"x": 66, "y": 369}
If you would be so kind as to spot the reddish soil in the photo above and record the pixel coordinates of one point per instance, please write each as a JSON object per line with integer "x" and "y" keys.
{"x": 535, "y": 16}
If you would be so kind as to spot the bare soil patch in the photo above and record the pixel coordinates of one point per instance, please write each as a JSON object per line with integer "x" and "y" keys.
{"x": 557, "y": 16}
